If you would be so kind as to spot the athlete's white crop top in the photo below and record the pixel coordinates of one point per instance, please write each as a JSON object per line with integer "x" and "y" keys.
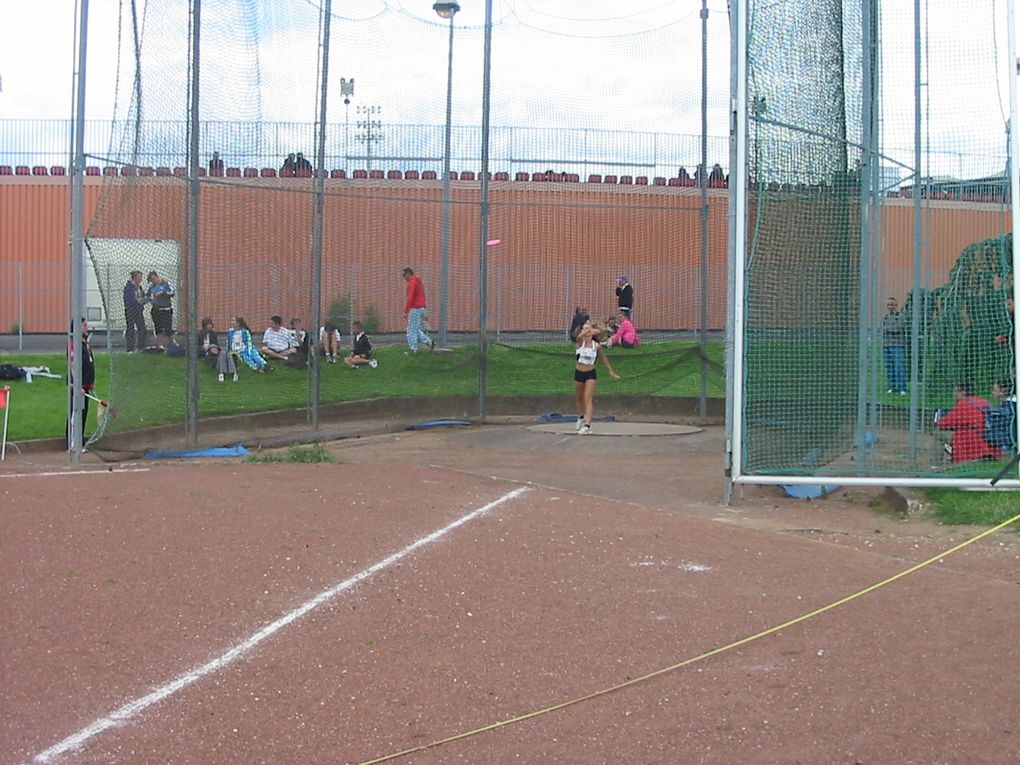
{"x": 588, "y": 354}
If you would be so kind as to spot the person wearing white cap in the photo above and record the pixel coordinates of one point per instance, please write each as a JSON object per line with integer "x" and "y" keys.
{"x": 624, "y": 295}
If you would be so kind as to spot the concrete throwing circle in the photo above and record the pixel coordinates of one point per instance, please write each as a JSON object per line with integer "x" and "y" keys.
{"x": 617, "y": 429}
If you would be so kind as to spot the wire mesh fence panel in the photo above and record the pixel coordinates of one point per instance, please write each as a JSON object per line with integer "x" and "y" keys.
{"x": 572, "y": 202}
{"x": 878, "y": 263}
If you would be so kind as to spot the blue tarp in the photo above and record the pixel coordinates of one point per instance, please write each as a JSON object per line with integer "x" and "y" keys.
{"x": 437, "y": 424}
{"x": 219, "y": 451}
{"x": 808, "y": 491}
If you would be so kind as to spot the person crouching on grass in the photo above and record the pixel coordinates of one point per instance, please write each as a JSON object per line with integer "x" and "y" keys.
{"x": 361, "y": 352}
{"x": 588, "y": 351}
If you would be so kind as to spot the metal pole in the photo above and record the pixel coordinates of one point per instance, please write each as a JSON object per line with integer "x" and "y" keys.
{"x": 315, "y": 310}
{"x": 483, "y": 227}
{"x": 703, "y": 334}
{"x": 191, "y": 420}
{"x": 21, "y": 306}
{"x": 737, "y": 249}
{"x": 77, "y": 264}
{"x": 1014, "y": 177}
{"x": 444, "y": 237}
{"x": 865, "y": 223}
{"x": 915, "y": 318}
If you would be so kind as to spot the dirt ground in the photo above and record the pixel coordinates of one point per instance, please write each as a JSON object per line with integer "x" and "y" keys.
{"x": 175, "y": 612}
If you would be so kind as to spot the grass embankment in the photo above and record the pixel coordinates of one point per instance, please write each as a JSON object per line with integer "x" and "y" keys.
{"x": 150, "y": 389}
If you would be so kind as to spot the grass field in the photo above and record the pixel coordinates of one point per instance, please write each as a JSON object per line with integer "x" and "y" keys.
{"x": 147, "y": 390}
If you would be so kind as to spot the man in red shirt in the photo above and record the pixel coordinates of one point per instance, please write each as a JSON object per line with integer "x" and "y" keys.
{"x": 967, "y": 421}
{"x": 414, "y": 309}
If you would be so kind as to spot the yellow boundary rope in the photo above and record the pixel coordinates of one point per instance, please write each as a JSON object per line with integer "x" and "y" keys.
{"x": 688, "y": 662}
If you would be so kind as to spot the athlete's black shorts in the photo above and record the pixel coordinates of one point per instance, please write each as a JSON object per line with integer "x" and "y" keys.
{"x": 581, "y": 377}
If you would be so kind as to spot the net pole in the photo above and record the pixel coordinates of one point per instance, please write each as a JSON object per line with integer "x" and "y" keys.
{"x": 191, "y": 418}
{"x": 76, "y": 428}
{"x": 865, "y": 267}
{"x": 21, "y": 306}
{"x": 1013, "y": 72}
{"x": 915, "y": 316}
{"x": 317, "y": 220}
{"x": 703, "y": 334}
{"x": 483, "y": 222}
{"x": 737, "y": 249}
{"x": 444, "y": 234}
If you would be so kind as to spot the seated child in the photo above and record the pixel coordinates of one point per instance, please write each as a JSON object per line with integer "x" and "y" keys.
{"x": 361, "y": 351}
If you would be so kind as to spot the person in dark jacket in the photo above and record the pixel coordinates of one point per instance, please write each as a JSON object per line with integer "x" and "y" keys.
{"x": 624, "y": 295}
{"x": 361, "y": 351}
{"x": 580, "y": 317}
{"x": 88, "y": 382}
{"x": 134, "y": 314}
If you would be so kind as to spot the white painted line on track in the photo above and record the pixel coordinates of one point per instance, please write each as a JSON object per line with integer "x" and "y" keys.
{"x": 51, "y": 473}
{"x": 132, "y": 708}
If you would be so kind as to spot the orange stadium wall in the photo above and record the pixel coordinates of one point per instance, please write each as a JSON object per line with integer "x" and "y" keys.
{"x": 562, "y": 244}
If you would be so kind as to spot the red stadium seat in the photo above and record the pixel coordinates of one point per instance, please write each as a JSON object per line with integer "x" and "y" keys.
{"x": 502, "y": 175}
{"x": 163, "y": 171}
{"x": 109, "y": 171}
{"x": 6, "y": 170}
{"x": 626, "y": 180}
{"x": 360, "y": 174}
{"x": 216, "y": 172}
{"x": 411, "y": 175}
{"x": 251, "y": 172}
{"x": 61, "y": 170}
{"x": 641, "y": 180}
{"x": 148, "y": 172}
{"x": 233, "y": 172}
{"x": 334, "y": 173}
{"x": 658, "y": 181}
{"x": 594, "y": 178}
{"x": 609, "y": 179}
{"x": 467, "y": 175}
{"x": 428, "y": 175}
{"x": 180, "y": 172}
{"x": 572, "y": 178}
{"x": 676, "y": 181}
{"x": 394, "y": 175}
{"x": 90, "y": 170}
{"x": 39, "y": 170}
{"x": 129, "y": 170}
{"x": 302, "y": 173}
{"x": 22, "y": 170}
{"x": 376, "y": 174}
{"x": 538, "y": 176}
{"x": 286, "y": 172}
{"x": 201, "y": 172}
{"x": 522, "y": 177}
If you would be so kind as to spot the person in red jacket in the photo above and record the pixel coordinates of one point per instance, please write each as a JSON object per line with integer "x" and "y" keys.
{"x": 967, "y": 421}
{"x": 414, "y": 310}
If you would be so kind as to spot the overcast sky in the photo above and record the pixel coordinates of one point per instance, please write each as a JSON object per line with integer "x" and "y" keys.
{"x": 36, "y": 61}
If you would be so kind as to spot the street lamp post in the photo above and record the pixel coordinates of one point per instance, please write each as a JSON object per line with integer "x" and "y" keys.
{"x": 446, "y": 11}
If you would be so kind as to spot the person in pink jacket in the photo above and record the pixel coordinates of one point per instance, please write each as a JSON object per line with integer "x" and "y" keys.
{"x": 626, "y": 335}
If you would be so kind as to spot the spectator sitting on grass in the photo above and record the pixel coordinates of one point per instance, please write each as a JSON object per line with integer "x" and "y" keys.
{"x": 967, "y": 421}
{"x": 240, "y": 344}
{"x": 276, "y": 341}
{"x": 626, "y": 335}
{"x": 209, "y": 349}
{"x": 329, "y": 341}
{"x": 1001, "y": 420}
{"x": 361, "y": 353}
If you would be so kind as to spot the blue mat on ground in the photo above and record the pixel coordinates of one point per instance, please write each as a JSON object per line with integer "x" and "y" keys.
{"x": 437, "y": 424}
{"x": 808, "y": 491}
{"x": 219, "y": 451}
{"x": 557, "y": 417}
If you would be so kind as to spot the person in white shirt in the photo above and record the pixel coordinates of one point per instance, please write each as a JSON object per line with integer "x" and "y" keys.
{"x": 329, "y": 341}
{"x": 277, "y": 341}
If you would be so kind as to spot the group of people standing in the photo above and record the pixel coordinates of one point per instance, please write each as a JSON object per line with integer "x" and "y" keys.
{"x": 159, "y": 296}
